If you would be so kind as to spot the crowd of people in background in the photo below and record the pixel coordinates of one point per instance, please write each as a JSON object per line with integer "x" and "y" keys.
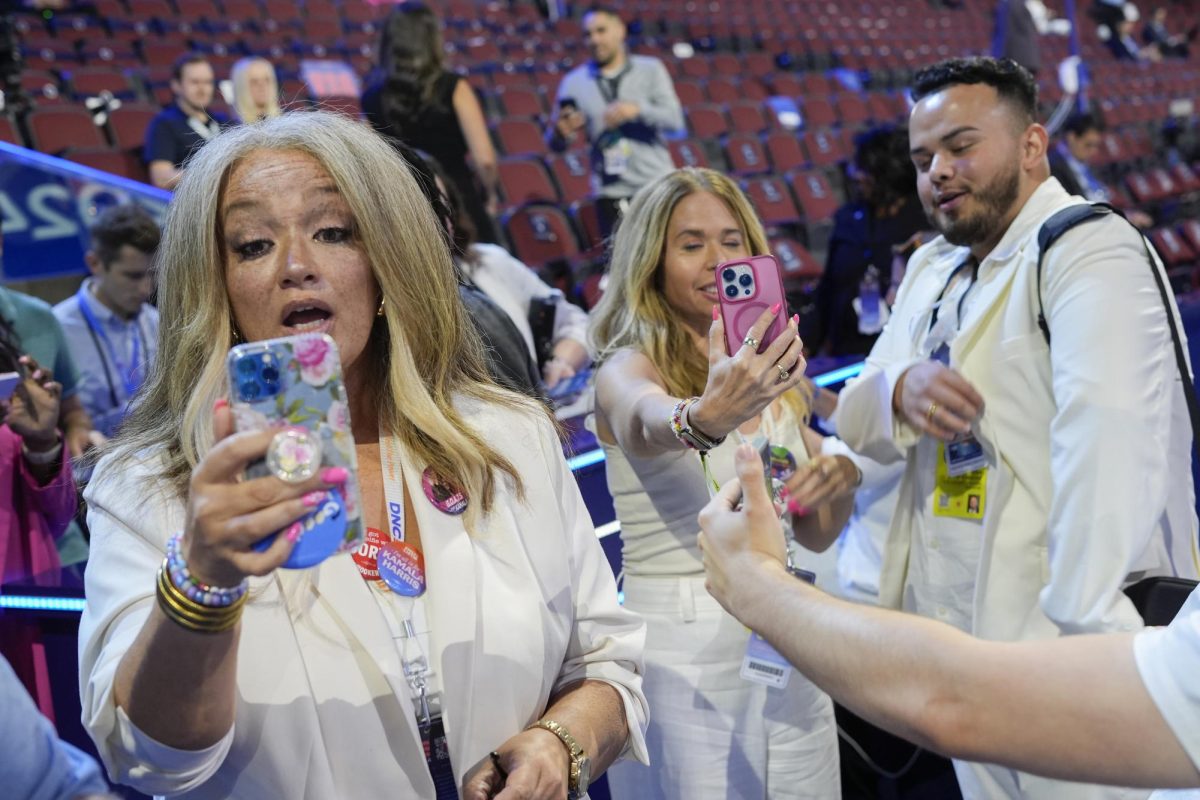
{"x": 964, "y": 477}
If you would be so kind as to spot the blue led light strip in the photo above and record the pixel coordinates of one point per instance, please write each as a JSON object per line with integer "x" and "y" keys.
{"x": 25, "y": 602}
{"x": 592, "y": 457}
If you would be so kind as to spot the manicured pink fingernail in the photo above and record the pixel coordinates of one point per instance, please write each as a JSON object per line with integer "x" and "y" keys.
{"x": 220, "y": 403}
{"x": 795, "y": 319}
{"x": 334, "y": 475}
{"x": 775, "y": 308}
{"x": 796, "y": 508}
{"x": 716, "y": 313}
{"x": 293, "y": 532}
{"x": 313, "y": 498}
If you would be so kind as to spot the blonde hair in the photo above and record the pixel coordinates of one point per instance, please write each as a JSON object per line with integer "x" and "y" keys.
{"x": 425, "y": 349}
{"x": 634, "y": 312}
{"x": 243, "y": 104}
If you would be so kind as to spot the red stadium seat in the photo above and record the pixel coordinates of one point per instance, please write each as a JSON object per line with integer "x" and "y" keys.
{"x": 1173, "y": 248}
{"x": 250, "y": 11}
{"x": 518, "y": 137}
{"x": 795, "y": 262}
{"x": 110, "y": 160}
{"x": 540, "y": 233}
{"x": 587, "y": 222}
{"x": 816, "y": 196}
{"x": 724, "y": 90}
{"x": 151, "y": 9}
{"x": 92, "y": 81}
{"x": 851, "y": 109}
{"x": 785, "y": 84}
{"x": 773, "y": 201}
{"x": 348, "y": 106}
{"x": 825, "y": 149}
{"x": 1140, "y": 188}
{"x": 196, "y": 10}
{"x": 52, "y": 130}
{"x": 523, "y": 180}
{"x": 520, "y": 102}
{"x": 573, "y": 173}
{"x": 1190, "y": 229}
{"x": 128, "y": 125}
{"x": 695, "y": 67}
{"x": 1185, "y": 178}
{"x": 687, "y": 153}
{"x": 745, "y": 155}
{"x": 784, "y": 150}
{"x": 707, "y": 122}
{"x": 8, "y": 132}
{"x": 747, "y": 117}
{"x": 690, "y": 93}
{"x": 818, "y": 112}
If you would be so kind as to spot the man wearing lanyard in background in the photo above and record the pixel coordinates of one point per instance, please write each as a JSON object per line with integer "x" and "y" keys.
{"x": 110, "y": 325}
{"x": 624, "y": 104}
{"x": 1044, "y": 473}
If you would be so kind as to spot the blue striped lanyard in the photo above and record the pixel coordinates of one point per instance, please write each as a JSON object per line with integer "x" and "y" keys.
{"x": 130, "y": 374}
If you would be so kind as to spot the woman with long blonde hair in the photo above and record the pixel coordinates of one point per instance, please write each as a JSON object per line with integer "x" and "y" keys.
{"x": 226, "y": 676}
{"x": 671, "y": 406}
{"x": 255, "y": 89}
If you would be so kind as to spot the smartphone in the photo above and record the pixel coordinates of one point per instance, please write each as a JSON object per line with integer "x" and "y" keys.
{"x": 9, "y": 381}
{"x": 747, "y": 287}
{"x": 297, "y": 381}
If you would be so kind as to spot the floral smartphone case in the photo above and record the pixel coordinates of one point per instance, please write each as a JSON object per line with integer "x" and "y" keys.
{"x": 297, "y": 381}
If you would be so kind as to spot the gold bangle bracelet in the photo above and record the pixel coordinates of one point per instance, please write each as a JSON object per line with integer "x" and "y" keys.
{"x": 186, "y": 613}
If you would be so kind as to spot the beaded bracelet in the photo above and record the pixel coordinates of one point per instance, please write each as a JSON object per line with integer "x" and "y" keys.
{"x": 685, "y": 433}
{"x": 193, "y": 616}
{"x": 195, "y": 590}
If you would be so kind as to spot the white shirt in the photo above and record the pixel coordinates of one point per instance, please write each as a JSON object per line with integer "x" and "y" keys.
{"x": 1169, "y": 662}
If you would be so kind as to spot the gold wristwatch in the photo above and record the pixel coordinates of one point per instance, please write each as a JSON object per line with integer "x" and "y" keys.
{"x": 579, "y": 774}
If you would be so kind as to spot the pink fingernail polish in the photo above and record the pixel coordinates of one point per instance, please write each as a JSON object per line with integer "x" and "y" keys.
{"x": 313, "y": 498}
{"x": 293, "y": 532}
{"x": 775, "y": 308}
{"x": 716, "y": 313}
{"x": 796, "y": 508}
{"x": 334, "y": 475}
{"x": 795, "y": 319}
{"x": 220, "y": 403}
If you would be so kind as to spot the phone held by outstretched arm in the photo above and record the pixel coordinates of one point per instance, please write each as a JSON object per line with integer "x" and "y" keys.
{"x": 295, "y": 384}
{"x": 747, "y": 287}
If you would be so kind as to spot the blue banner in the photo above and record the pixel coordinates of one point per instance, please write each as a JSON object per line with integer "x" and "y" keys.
{"x": 47, "y": 205}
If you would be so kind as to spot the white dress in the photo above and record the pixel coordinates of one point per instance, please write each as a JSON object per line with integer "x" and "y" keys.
{"x": 712, "y": 734}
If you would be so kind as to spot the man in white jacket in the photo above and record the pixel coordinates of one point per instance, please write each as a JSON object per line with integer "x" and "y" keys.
{"x": 1040, "y": 480}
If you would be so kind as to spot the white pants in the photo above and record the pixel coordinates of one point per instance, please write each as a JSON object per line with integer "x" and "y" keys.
{"x": 990, "y": 782}
{"x": 713, "y": 735}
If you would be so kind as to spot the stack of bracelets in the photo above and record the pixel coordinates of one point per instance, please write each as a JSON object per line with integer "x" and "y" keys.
{"x": 684, "y": 432}
{"x": 192, "y": 604}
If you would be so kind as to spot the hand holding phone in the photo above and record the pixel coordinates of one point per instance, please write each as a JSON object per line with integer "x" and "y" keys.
{"x": 746, "y": 288}
{"x": 295, "y": 384}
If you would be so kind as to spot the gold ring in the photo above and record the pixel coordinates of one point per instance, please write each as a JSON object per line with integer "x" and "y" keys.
{"x": 783, "y": 373}
{"x": 751, "y": 342}
{"x": 933, "y": 407}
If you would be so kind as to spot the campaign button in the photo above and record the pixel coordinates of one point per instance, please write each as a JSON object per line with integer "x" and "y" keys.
{"x": 444, "y": 495}
{"x": 366, "y": 557}
{"x": 402, "y": 568}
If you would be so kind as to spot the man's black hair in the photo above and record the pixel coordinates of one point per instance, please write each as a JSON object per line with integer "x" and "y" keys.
{"x": 187, "y": 59}
{"x": 123, "y": 225}
{"x": 1011, "y": 81}
{"x": 600, "y": 8}
{"x": 1081, "y": 122}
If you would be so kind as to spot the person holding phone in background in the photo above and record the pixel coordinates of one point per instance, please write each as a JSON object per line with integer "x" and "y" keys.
{"x": 671, "y": 404}
{"x": 506, "y": 664}
{"x": 623, "y": 104}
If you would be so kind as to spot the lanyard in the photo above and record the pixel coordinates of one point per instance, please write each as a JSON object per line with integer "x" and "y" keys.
{"x": 974, "y": 266}
{"x": 609, "y": 87}
{"x": 413, "y": 657}
{"x": 130, "y": 374}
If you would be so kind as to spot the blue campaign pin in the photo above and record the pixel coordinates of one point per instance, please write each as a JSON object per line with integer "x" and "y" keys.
{"x": 402, "y": 568}
{"x": 783, "y": 463}
{"x": 323, "y": 532}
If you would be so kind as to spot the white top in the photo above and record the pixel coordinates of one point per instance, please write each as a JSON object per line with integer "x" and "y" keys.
{"x": 1169, "y": 662}
{"x": 1088, "y": 440}
{"x": 512, "y": 285}
{"x": 323, "y": 709}
{"x": 657, "y": 500}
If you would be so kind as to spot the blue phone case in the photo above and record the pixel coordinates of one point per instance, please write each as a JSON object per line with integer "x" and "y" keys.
{"x": 297, "y": 380}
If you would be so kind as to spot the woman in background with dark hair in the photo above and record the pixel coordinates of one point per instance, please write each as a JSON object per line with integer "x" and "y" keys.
{"x": 414, "y": 98}
{"x": 858, "y": 270}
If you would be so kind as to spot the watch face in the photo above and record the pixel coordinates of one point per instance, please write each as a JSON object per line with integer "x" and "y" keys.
{"x": 585, "y": 774}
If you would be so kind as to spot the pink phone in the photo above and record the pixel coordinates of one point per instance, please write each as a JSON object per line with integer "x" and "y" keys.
{"x": 747, "y": 287}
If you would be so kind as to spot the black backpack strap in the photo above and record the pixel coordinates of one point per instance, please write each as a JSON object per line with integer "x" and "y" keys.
{"x": 1071, "y": 216}
{"x": 1058, "y": 224}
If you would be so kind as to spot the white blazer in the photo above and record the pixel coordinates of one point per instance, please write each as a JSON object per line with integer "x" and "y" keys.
{"x": 526, "y": 606}
{"x": 1088, "y": 440}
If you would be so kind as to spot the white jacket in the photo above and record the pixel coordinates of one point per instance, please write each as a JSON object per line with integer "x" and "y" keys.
{"x": 526, "y": 606}
{"x": 1088, "y": 440}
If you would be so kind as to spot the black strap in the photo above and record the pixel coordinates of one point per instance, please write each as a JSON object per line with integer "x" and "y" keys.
{"x": 1068, "y": 218}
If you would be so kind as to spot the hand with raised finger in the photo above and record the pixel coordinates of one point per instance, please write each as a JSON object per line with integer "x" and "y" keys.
{"x": 821, "y": 480}
{"x": 742, "y": 385}
{"x": 738, "y": 542}
{"x": 937, "y": 400}
{"x": 226, "y": 516}
{"x": 32, "y": 411}
{"x": 533, "y": 765}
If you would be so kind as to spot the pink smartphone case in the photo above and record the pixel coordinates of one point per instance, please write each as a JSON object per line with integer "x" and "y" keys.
{"x": 741, "y": 313}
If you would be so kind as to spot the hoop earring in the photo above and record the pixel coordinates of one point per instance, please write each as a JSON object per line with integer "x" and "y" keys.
{"x": 237, "y": 335}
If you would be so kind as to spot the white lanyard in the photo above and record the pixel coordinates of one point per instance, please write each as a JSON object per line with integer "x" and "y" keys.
{"x": 413, "y": 657}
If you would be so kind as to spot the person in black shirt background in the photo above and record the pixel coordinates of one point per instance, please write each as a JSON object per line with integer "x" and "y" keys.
{"x": 184, "y": 125}
{"x": 885, "y": 212}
